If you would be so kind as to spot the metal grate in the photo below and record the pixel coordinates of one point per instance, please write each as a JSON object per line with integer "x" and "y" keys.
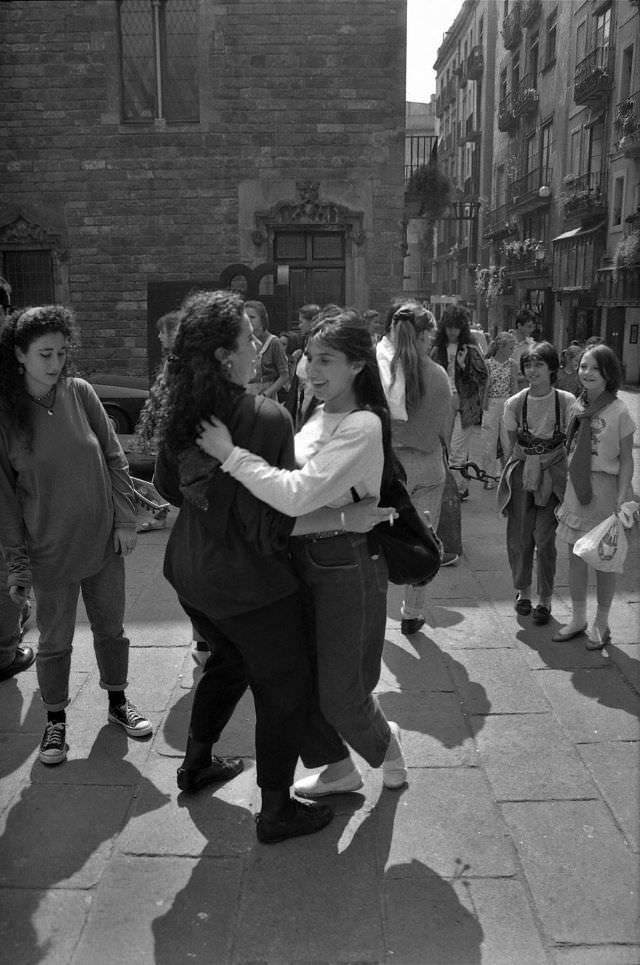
{"x": 30, "y": 274}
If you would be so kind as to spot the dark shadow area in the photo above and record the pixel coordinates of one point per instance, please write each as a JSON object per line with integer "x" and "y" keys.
{"x": 18, "y": 737}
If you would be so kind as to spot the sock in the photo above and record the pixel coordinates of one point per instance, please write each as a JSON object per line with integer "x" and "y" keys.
{"x": 57, "y": 717}
{"x": 116, "y": 698}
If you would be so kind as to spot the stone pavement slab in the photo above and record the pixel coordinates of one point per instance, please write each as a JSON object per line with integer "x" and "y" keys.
{"x": 41, "y": 926}
{"x": 583, "y": 878}
{"x": 434, "y": 730}
{"x": 615, "y": 767}
{"x": 528, "y": 758}
{"x": 593, "y": 705}
{"x": 501, "y": 677}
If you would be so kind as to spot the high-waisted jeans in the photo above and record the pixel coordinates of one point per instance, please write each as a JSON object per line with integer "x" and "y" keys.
{"x": 346, "y": 597}
{"x": 56, "y": 606}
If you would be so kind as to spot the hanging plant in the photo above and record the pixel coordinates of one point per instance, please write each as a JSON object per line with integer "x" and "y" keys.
{"x": 429, "y": 189}
{"x": 627, "y": 253}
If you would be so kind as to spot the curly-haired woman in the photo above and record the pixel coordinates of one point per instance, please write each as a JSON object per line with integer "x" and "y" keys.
{"x": 454, "y": 348}
{"x": 227, "y": 559}
{"x": 67, "y": 514}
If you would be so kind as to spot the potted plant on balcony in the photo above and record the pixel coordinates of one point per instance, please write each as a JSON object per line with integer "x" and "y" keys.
{"x": 428, "y": 192}
{"x": 627, "y": 253}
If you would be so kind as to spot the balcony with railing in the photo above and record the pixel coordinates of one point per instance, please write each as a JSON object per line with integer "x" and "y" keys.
{"x": 594, "y": 76}
{"x": 511, "y": 29}
{"x": 529, "y": 12}
{"x": 525, "y": 97}
{"x": 471, "y": 130}
{"x": 499, "y": 224}
{"x": 531, "y": 191}
{"x": 475, "y": 63}
{"x": 462, "y": 76}
{"x": 586, "y": 197}
{"x": 627, "y": 126}
{"x": 619, "y": 286}
{"x": 507, "y": 120}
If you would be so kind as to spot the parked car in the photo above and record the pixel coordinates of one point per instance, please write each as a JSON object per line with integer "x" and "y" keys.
{"x": 123, "y": 396}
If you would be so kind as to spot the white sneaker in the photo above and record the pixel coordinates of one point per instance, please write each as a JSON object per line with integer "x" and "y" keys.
{"x": 394, "y": 772}
{"x": 314, "y": 786}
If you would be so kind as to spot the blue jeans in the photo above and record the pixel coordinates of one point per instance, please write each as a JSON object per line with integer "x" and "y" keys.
{"x": 104, "y": 599}
{"x": 9, "y": 620}
{"x": 346, "y": 595}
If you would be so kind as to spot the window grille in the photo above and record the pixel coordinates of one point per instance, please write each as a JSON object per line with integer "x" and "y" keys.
{"x": 30, "y": 274}
{"x": 159, "y": 65}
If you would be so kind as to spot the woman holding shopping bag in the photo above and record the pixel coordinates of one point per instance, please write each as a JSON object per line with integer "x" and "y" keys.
{"x": 600, "y": 441}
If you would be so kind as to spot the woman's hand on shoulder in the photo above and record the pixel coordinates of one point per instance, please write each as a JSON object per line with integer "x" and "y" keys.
{"x": 215, "y": 439}
{"x": 362, "y": 516}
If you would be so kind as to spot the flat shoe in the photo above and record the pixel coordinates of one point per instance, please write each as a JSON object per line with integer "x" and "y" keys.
{"x": 394, "y": 772}
{"x": 313, "y": 786}
{"x": 220, "y": 769}
{"x": 407, "y": 627}
{"x": 563, "y": 635}
{"x": 23, "y": 659}
{"x": 541, "y": 614}
{"x": 522, "y": 606}
{"x": 305, "y": 818}
{"x": 602, "y": 639}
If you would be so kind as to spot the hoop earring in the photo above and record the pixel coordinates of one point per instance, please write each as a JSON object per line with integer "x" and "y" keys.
{"x": 228, "y": 365}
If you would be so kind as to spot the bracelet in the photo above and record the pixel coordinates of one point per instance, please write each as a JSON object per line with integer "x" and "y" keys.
{"x": 343, "y": 522}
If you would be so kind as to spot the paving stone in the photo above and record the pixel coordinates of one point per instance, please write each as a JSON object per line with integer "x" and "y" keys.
{"x": 597, "y": 955}
{"x": 593, "y": 705}
{"x": 327, "y": 894}
{"x": 74, "y": 826}
{"x": 497, "y": 680}
{"x": 541, "y": 653}
{"x": 184, "y": 913}
{"x": 583, "y": 877}
{"x": 41, "y": 926}
{"x": 527, "y": 757}
{"x": 414, "y": 665}
{"x": 626, "y": 658}
{"x": 216, "y": 822}
{"x": 99, "y": 753}
{"x": 237, "y": 739}
{"x": 464, "y": 826}
{"x": 434, "y": 730}
{"x": 465, "y": 624}
{"x": 615, "y": 767}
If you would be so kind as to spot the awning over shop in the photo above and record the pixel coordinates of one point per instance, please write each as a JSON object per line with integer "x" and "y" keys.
{"x": 576, "y": 258}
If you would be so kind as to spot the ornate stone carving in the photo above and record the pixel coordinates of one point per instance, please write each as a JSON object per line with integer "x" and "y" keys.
{"x": 308, "y": 210}
{"x": 23, "y": 233}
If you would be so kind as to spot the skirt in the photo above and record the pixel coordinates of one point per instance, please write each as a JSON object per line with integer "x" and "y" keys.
{"x": 574, "y": 519}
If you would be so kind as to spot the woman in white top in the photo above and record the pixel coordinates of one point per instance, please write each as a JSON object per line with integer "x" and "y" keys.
{"x": 343, "y": 447}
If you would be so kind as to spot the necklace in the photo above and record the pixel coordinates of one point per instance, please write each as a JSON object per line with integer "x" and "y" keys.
{"x": 46, "y": 401}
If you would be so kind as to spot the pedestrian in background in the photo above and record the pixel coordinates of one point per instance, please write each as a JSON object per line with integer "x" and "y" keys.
{"x": 600, "y": 442}
{"x": 534, "y": 477}
{"x": 502, "y": 383}
{"x": 419, "y": 397}
{"x": 525, "y": 326}
{"x": 67, "y": 514}
{"x": 345, "y": 444}
{"x": 272, "y": 368}
{"x": 568, "y": 372}
{"x": 455, "y": 350}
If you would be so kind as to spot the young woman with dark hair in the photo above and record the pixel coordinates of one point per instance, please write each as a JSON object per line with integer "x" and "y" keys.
{"x": 67, "y": 514}
{"x": 419, "y": 397}
{"x": 600, "y": 442}
{"x": 454, "y": 348}
{"x": 533, "y": 480}
{"x": 228, "y": 562}
{"x": 345, "y": 445}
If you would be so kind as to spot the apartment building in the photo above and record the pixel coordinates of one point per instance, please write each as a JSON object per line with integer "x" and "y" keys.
{"x": 420, "y": 149}
{"x": 153, "y": 146}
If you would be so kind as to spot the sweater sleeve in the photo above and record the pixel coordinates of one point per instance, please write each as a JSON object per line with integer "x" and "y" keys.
{"x": 349, "y": 457}
{"x": 124, "y": 507}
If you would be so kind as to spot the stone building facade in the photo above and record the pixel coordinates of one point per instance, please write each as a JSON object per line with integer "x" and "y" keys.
{"x": 152, "y": 146}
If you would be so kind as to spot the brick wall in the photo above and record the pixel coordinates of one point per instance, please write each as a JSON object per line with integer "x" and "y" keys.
{"x": 289, "y": 91}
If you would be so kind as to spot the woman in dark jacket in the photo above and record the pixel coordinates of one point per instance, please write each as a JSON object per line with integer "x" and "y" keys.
{"x": 454, "y": 348}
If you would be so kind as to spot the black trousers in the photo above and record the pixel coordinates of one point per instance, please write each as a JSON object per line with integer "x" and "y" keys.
{"x": 265, "y": 650}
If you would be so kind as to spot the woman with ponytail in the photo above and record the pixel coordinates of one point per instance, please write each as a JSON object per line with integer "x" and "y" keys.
{"x": 419, "y": 397}
{"x": 342, "y": 450}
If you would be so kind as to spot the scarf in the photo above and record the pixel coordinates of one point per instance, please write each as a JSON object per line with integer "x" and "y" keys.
{"x": 580, "y": 427}
{"x": 394, "y": 389}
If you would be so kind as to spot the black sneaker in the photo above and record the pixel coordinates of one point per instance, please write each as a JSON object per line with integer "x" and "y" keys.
{"x": 409, "y": 626}
{"x": 305, "y": 817}
{"x": 53, "y": 747}
{"x": 130, "y": 719}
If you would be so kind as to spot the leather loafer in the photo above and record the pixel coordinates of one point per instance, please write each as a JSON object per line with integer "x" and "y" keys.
{"x": 313, "y": 786}
{"x": 411, "y": 626}
{"x": 522, "y": 606}
{"x": 541, "y": 614}
{"x": 22, "y": 661}
{"x": 220, "y": 769}
{"x": 305, "y": 817}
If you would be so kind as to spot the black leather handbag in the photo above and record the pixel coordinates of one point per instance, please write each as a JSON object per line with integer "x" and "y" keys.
{"x": 410, "y": 546}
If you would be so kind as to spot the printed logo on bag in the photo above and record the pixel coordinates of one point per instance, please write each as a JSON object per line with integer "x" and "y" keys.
{"x": 608, "y": 544}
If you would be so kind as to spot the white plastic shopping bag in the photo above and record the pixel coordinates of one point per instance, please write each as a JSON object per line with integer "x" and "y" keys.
{"x": 605, "y": 546}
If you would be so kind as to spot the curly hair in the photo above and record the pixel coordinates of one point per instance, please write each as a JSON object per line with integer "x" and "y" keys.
{"x": 458, "y": 316}
{"x": 192, "y": 384}
{"x": 19, "y": 330}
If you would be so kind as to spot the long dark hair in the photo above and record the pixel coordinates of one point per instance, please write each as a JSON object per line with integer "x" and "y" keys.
{"x": 458, "y": 316}
{"x": 342, "y": 334}
{"x": 193, "y": 383}
{"x": 19, "y": 330}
